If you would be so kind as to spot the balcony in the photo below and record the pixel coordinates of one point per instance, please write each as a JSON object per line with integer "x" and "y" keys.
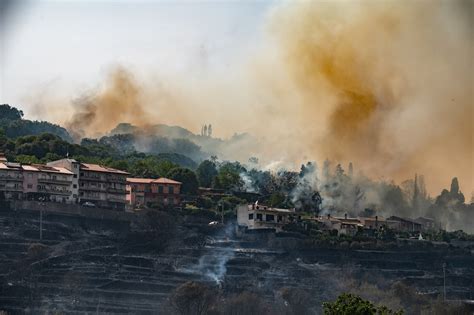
{"x": 9, "y": 188}
{"x": 55, "y": 192}
{"x": 5, "y": 177}
{"x": 93, "y": 188}
{"x": 103, "y": 180}
{"x": 55, "y": 181}
{"x": 261, "y": 222}
{"x": 116, "y": 190}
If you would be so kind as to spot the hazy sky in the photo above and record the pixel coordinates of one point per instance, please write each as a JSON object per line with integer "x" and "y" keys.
{"x": 67, "y": 45}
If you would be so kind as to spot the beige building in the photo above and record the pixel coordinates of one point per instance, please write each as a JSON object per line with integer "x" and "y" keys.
{"x": 259, "y": 217}
{"x": 73, "y": 166}
{"x": 65, "y": 181}
{"x": 96, "y": 184}
{"x": 53, "y": 183}
{"x": 35, "y": 182}
{"x": 11, "y": 180}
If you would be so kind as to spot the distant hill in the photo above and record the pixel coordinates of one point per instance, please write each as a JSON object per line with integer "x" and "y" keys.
{"x": 162, "y": 138}
{"x": 154, "y": 144}
{"x": 163, "y": 130}
{"x": 14, "y": 126}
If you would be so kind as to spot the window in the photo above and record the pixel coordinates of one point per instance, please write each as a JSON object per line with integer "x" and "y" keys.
{"x": 30, "y": 186}
{"x": 259, "y": 216}
{"x": 75, "y": 175}
{"x": 74, "y": 186}
{"x": 280, "y": 218}
{"x": 270, "y": 218}
{"x": 30, "y": 175}
{"x": 160, "y": 189}
{"x": 250, "y": 216}
{"x": 171, "y": 189}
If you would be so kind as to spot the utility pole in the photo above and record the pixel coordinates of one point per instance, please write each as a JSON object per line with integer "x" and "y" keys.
{"x": 222, "y": 213}
{"x": 41, "y": 217}
{"x": 41, "y": 223}
{"x": 444, "y": 281}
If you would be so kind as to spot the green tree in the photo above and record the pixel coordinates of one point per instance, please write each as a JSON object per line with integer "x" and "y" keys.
{"x": 454, "y": 186}
{"x": 228, "y": 177}
{"x": 350, "y": 304}
{"x": 27, "y": 159}
{"x": 206, "y": 172}
{"x": 277, "y": 199}
{"x": 185, "y": 176}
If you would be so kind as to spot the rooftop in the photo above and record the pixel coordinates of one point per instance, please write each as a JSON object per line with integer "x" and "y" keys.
{"x": 396, "y": 218}
{"x": 139, "y": 180}
{"x": 100, "y": 168}
{"x": 160, "y": 180}
{"x": 34, "y": 168}
{"x": 163, "y": 180}
{"x": 268, "y": 208}
{"x": 10, "y": 166}
{"x": 50, "y": 169}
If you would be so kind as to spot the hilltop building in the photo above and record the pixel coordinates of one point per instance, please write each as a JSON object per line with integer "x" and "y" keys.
{"x": 147, "y": 191}
{"x": 100, "y": 185}
{"x": 11, "y": 180}
{"x": 260, "y": 217}
{"x": 35, "y": 182}
{"x": 47, "y": 182}
{"x": 404, "y": 224}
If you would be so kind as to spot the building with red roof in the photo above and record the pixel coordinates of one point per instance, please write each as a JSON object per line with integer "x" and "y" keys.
{"x": 143, "y": 192}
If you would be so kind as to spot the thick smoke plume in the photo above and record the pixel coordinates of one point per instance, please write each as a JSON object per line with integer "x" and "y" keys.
{"x": 119, "y": 100}
{"x": 390, "y": 82}
{"x": 387, "y": 85}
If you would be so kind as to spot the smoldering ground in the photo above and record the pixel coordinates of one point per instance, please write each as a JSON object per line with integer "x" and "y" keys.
{"x": 387, "y": 85}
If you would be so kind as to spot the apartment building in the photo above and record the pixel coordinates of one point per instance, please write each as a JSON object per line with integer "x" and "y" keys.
{"x": 147, "y": 191}
{"x": 74, "y": 167}
{"x": 48, "y": 183}
{"x": 65, "y": 180}
{"x": 11, "y": 180}
{"x": 98, "y": 185}
{"x": 34, "y": 182}
{"x": 260, "y": 217}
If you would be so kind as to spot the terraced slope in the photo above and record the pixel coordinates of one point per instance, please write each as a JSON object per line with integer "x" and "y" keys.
{"x": 78, "y": 271}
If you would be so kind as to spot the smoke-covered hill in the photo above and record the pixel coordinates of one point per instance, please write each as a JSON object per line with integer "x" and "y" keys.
{"x": 162, "y": 138}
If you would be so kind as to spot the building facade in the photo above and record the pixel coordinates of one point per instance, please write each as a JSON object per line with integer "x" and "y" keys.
{"x": 259, "y": 217}
{"x": 404, "y": 224}
{"x": 74, "y": 167}
{"x": 97, "y": 185}
{"x": 66, "y": 181}
{"x": 145, "y": 192}
{"x": 11, "y": 180}
{"x": 35, "y": 182}
{"x": 47, "y": 182}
